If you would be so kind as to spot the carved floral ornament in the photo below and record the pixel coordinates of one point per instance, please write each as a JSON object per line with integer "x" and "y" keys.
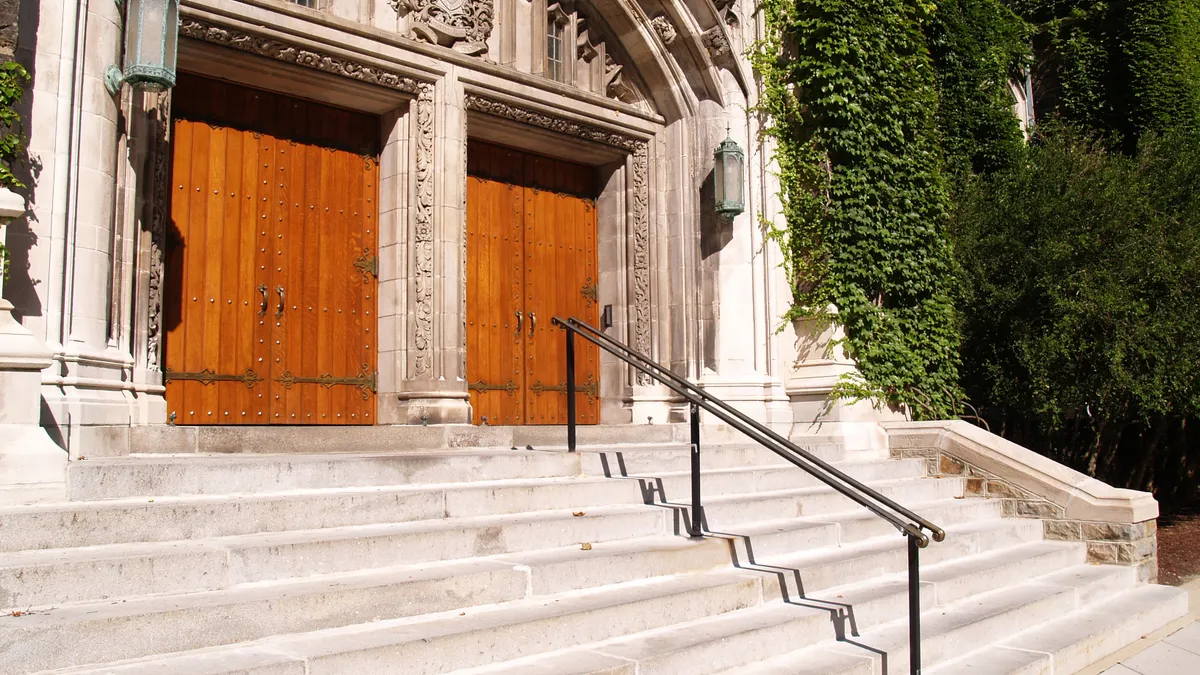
{"x": 462, "y": 25}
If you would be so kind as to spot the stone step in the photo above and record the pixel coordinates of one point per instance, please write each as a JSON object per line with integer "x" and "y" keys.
{"x": 948, "y": 631}
{"x": 154, "y": 476}
{"x": 52, "y": 640}
{"x": 1070, "y": 642}
{"x": 648, "y": 460}
{"x": 784, "y": 536}
{"x": 140, "y": 519}
{"x": 162, "y": 475}
{"x": 38, "y": 577}
{"x": 738, "y": 638}
{"x": 724, "y": 511}
{"x": 577, "y": 620}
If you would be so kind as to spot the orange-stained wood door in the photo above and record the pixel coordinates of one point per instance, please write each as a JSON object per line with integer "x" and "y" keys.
{"x": 271, "y": 276}
{"x": 531, "y": 256}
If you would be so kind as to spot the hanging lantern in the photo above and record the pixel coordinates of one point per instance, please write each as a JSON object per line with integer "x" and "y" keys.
{"x": 151, "y": 36}
{"x": 728, "y": 161}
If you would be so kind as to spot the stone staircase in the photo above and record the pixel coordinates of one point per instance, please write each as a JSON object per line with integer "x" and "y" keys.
{"x": 487, "y": 560}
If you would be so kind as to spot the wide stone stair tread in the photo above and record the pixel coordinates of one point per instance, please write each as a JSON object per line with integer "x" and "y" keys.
{"x": 257, "y": 610}
{"x": 1071, "y": 641}
{"x": 952, "y": 629}
{"x": 754, "y": 627}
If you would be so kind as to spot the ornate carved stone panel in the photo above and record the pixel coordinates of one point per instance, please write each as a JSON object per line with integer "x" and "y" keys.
{"x": 290, "y": 53}
{"x": 641, "y": 254}
{"x": 462, "y": 25}
{"x": 160, "y": 124}
{"x": 423, "y": 235}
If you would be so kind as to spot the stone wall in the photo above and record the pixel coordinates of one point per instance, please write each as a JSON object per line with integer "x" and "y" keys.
{"x": 8, "y": 29}
{"x": 1118, "y": 527}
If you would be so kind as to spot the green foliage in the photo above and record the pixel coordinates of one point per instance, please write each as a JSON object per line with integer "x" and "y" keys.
{"x": 1119, "y": 67}
{"x": 849, "y": 97}
{"x": 1082, "y": 269}
{"x": 978, "y": 47}
{"x": 13, "y": 79}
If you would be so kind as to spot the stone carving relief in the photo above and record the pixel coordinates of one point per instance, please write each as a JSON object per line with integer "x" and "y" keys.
{"x": 423, "y": 236}
{"x": 729, "y": 13}
{"x": 550, "y": 122}
{"x": 715, "y": 42}
{"x": 282, "y": 51}
{"x": 664, "y": 28}
{"x": 462, "y": 25}
{"x": 641, "y": 254}
{"x": 159, "y": 213}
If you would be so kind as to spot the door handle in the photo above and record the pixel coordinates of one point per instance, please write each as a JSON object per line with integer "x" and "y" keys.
{"x": 279, "y": 310}
{"x": 262, "y": 309}
{"x": 532, "y": 324}
{"x": 517, "y": 334}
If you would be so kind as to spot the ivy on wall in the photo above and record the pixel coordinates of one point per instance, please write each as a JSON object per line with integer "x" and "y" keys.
{"x": 1118, "y": 68}
{"x": 849, "y": 99}
{"x": 13, "y": 79}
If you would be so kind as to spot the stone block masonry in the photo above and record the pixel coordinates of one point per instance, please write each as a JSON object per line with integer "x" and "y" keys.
{"x": 1117, "y": 526}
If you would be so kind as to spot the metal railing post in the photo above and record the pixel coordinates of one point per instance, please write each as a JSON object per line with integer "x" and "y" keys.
{"x": 914, "y": 606}
{"x": 570, "y": 390}
{"x": 696, "y": 529}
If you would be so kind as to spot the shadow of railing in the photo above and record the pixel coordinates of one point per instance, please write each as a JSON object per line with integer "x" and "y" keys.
{"x": 654, "y": 493}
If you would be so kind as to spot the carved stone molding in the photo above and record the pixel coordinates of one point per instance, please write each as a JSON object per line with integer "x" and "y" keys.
{"x": 290, "y": 53}
{"x": 423, "y": 236}
{"x": 664, "y": 28}
{"x": 715, "y": 42}
{"x": 550, "y": 122}
{"x": 462, "y": 25}
{"x": 159, "y": 214}
{"x": 641, "y": 254}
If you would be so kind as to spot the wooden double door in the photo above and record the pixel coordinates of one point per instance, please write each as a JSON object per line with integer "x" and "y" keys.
{"x": 270, "y": 286}
{"x": 531, "y": 256}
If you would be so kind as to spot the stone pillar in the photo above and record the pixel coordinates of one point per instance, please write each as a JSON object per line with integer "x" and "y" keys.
{"x": 433, "y": 389}
{"x": 32, "y": 467}
{"x": 816, "y": 365}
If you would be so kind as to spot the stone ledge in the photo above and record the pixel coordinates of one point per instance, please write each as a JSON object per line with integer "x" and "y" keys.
{"x": 1079, "y": 496}
{"x": 1117, "y": 526}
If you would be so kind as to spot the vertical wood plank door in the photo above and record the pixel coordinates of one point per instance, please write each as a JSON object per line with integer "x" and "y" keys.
{"x": 271, "y": 268}
{"x": 531, "y": 253}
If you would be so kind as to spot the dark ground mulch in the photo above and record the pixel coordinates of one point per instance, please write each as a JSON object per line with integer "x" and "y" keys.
{"x": 1179, "y": 549}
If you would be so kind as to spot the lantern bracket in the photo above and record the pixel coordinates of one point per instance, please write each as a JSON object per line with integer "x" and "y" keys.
{"x": 113, "y": 77}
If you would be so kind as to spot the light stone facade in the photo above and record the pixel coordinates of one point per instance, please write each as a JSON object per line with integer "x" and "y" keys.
{"x": 644, "y": 92}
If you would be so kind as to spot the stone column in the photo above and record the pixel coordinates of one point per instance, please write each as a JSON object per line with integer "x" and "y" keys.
{"x": 433, "y": 389}
{"x": 32, "y": 467}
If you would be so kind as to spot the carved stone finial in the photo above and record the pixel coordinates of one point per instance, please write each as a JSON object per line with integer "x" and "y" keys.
{"x": 462, "y": 25}
{"x": 665, "y": 29}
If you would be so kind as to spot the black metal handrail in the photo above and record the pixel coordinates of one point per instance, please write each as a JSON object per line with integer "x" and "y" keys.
{"x": 699, "y": 399}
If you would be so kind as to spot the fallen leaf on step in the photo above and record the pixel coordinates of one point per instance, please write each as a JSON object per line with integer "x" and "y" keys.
{"x": 462, "y": 613}
{"x": 585, "y": 546}
{"x": 16, "y": 612}
{"x": 959, "y": 497}
{"x": 577, "y": 514}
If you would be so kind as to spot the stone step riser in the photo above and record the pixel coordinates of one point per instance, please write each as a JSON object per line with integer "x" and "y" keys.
{"x": 787, "y": 541}
{"x": 806, "y": 628}
{"x": 987, "y": 630}
{"x": 723, "y": 514}
{"x": 233, "y": 562}
{"x": 125, "y": 637}
{"x": 431, "y": 655}
{"x": 106, "y": 522}
{"x": 221, "y": 567}
{"x": 652, "y": 462}
{"x": 195, "y": 476}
